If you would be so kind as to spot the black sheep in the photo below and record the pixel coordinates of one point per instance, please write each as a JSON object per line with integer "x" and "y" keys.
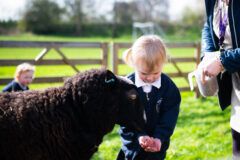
{"x": 67, "y": 122}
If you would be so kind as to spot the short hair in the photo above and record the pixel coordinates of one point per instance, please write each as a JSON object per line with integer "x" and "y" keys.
{"x": 148, "y": 49}
{"x": 24, "y": 67}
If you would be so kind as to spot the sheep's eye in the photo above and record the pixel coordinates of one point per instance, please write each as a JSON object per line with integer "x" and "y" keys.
{"x": 133, "y": 96}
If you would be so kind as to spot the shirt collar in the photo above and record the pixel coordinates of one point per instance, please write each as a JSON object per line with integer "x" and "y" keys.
{"x": 140, "y": 83}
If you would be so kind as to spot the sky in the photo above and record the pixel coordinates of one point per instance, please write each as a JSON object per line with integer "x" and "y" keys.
{"x": 11, "y": 9}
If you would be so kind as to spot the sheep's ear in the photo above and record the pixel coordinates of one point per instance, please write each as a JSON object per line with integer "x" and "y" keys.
{"x": 110, "y": 77}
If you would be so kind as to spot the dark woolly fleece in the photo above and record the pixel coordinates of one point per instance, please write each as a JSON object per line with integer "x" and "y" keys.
{"x": 67, "y": 122}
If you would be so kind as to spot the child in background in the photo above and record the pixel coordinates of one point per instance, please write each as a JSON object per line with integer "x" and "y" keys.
{"x": 160, "y": 97}
{"x": 23, "y": 77}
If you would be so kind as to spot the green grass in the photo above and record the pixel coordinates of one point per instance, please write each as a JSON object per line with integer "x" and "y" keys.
{"x": 202, "y": 131}
{"x": 186, "y": 36}
{"x": 31, "y": 53}
{"x": 33, "y": 37}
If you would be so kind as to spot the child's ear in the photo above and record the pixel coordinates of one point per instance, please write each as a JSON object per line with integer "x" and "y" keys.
{"x": 110, "y": 77}
{"x": 17, "y": 77}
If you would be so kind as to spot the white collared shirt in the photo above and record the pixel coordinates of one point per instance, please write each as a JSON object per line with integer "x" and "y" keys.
{"x": 147, "y": 87}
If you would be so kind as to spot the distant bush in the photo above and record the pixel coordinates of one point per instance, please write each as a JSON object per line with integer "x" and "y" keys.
{"x": 89, "y": 30}
{"x": 174, "y": 30}
{"x": 67, "y": 28}
{"x": 8, "y": 27}
{"x": 10, "y": 24}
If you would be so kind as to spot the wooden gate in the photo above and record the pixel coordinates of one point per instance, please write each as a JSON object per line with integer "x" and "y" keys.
{"x": 47, "y": 47}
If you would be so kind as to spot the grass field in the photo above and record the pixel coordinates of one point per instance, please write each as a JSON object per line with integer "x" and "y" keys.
{"x": 202, "y": 131}
{"x": 190, "y": 36}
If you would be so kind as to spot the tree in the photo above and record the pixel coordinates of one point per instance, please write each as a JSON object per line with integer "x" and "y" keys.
{"x": 152, "y": 10}
{"x": 140, "y": 10}
{"x": 193, "y": 18}
{"x": 41, "y": 16}
{"x": 77, "y": 11}
{"x": 123, "y": 12}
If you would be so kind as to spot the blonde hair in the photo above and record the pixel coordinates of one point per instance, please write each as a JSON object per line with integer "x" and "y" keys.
{"x": 149, "y": 50}
{"x": 24, "y": 67}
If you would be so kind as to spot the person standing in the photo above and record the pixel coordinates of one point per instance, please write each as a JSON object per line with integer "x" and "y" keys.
{"x": 221, "y": 36}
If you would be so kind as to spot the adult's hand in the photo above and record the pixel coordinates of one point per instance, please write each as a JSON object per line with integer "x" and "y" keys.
{"x": 210, "y": 67}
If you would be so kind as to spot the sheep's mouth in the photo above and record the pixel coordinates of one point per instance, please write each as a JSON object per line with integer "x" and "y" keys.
{"x": 137, "y": 127}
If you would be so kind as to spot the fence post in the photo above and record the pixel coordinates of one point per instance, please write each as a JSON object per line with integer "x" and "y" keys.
{"x": 197, "y": 55}
{"x": 115, "y": 47}
{"x": 105, "y": 54}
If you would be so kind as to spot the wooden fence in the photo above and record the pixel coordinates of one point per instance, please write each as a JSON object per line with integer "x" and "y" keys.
{"x": 47, "y": 47}
{"x": 103, "y": 61}
{"x": 196, "y": 59}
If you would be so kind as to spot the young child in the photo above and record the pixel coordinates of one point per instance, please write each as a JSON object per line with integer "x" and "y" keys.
{"x": 160, "y": 97}
{"x": 23, "y": 77}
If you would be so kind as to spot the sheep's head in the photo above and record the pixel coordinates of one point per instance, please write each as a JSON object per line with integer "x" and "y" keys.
{"x": 114, "y": 97}
{"x": 130, "y": 110}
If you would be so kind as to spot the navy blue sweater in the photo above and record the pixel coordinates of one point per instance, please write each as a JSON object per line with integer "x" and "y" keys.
{"x": 162, "y": 111}
{"x": 13, "y": 87}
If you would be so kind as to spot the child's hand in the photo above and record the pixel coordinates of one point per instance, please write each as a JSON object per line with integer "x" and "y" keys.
{"x": 154, "y": 147}
{"x": 145, "y": 141}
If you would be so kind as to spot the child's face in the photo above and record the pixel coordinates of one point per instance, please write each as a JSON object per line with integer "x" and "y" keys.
{"x": 25, "y": 78}
{"x": 149, "y": 76}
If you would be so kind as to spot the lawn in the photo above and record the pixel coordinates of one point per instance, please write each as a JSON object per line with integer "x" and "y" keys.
{"x": 32, "y": 37}
{"x": 202, "y": 131}
{"x": 182, "y": 37}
